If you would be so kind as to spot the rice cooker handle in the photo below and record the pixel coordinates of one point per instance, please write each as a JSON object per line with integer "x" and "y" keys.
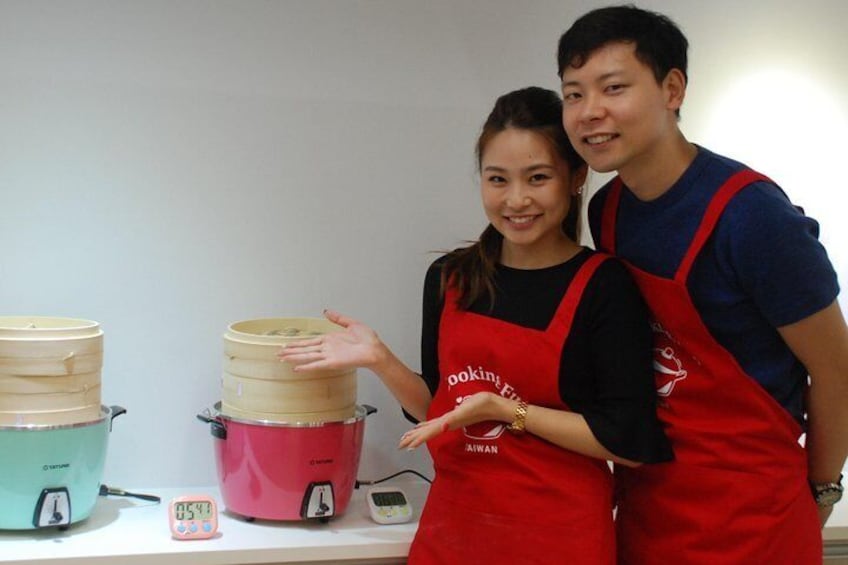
{"x": 205, "y": 417}
{"x": 217, "y": 428}
{"x": 116, "y": 411}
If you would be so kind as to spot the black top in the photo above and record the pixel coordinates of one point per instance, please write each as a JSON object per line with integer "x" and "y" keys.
{"x": 606, "y": 368}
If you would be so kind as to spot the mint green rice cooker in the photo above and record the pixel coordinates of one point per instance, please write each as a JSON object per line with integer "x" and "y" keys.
{"x": 50, "y": 474}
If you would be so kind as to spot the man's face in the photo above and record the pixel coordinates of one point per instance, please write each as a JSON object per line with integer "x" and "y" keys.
{"x": 615, "y": 113}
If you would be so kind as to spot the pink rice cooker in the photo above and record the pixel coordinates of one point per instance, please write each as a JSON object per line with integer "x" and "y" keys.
{"x": 286, "y": 471}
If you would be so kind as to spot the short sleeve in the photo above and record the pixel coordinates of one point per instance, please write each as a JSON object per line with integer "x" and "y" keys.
{"x": 621, "y": 411}
{"x": 772, "y": 249}
{"x": 430, "y": 316}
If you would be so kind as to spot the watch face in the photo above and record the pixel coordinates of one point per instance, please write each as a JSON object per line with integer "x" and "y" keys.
{"x": 828, "y": 497}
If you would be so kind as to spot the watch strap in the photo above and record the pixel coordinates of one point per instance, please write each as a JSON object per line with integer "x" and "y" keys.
{"x": 519, "y": 420}
{"x": 827, "y": 494}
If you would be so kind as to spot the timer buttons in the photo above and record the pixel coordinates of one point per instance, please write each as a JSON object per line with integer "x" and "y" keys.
{"x": 394, "y": 512}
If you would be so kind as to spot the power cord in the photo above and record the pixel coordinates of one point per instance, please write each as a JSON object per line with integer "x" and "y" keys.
{"x": 110, "y": 491}
{"x": 377, "y": 481}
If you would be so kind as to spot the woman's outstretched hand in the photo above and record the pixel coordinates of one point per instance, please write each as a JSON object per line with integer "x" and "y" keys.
{"x": 479, "y": 407}
{"x": 356, "y": 345}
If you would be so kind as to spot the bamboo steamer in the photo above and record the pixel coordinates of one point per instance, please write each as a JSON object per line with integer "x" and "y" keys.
{"x": 256, "y": 385}
{"x": 49, "y": 370}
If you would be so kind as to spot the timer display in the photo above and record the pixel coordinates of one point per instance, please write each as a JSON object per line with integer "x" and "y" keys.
{"x": 193, "y": 510}
{"x": 389, "y": 498}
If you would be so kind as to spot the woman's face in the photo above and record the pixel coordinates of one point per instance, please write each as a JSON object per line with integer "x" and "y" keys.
{"x": 526, "y": 189}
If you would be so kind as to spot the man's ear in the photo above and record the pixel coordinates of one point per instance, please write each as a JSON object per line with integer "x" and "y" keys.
{"x": 674, "y": 87}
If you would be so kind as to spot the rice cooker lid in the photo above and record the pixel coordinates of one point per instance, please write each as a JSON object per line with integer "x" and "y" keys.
{"x": 105, "y": 412}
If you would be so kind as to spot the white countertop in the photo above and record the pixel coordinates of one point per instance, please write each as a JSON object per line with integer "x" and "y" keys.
{"x": 128, "y": 531}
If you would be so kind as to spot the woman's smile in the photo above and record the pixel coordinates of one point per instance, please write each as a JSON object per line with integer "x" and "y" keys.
{"x": 522, "y": 222}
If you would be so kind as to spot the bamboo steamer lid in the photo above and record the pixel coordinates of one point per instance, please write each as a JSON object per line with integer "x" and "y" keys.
{"x": 257, "y": 385}
{"x": 49, "y": 370}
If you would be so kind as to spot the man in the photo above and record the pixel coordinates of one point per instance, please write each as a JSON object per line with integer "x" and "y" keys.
{"x": 744, "y": 304}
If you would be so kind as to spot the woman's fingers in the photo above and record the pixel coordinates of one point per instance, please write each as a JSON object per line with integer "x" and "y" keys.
{"x": 423, "y": 432}
{"x": 338, "y": 318}
{"x": 304, "y": 342}
{"x": 299, "y": 346}
{"x": 310, "y": 366}
{"x": 306, "y": 361}
{"x": 289, "y": 350}
{"x": 302, "y": 355}
{"x": 409, "y": 442}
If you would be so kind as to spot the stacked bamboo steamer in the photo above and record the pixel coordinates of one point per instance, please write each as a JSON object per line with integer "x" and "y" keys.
{"x": 49, "y": 371}
{"x": 258, "y": 386}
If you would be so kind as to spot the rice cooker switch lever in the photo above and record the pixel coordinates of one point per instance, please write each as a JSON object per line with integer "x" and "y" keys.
{"x": 318, "y": 501}
{"x": 53, "y": 508}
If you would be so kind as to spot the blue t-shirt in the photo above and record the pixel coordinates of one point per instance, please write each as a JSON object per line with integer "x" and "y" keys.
{"x": 763, "y": 267}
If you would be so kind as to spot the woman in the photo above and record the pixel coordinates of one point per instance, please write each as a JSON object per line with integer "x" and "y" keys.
{"x": 536, "y": 364}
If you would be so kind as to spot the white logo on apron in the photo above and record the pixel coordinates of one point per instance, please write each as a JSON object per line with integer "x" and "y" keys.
{"x": 668, "y": 370}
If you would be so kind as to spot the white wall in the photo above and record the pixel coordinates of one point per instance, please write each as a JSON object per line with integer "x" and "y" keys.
{"x": 167, "y": 168}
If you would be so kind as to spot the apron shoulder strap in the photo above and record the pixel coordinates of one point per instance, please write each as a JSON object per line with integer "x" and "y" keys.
{"x": 608, "y": 217}
{"x": 560, "y": 324}
{"x": 451, "y": 296}
{"x": 719, "y": 202}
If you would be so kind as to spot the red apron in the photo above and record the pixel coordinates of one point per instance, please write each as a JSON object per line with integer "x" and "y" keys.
{"x": 501, "y": 498}
{"x": 737, "y": 491}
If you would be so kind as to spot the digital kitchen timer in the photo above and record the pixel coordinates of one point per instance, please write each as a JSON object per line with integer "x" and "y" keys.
{"x": 389, "y": 505}
{"x": 193, "y": 517}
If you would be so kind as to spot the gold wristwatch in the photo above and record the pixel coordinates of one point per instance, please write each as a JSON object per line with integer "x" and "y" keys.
{"x": 517, "y": 425}
{"x": 827, "y": 494}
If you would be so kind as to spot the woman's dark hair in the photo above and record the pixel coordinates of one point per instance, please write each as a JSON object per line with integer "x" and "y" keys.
{"x": 659, "y": 42}
{"x": 471, "y": 269}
